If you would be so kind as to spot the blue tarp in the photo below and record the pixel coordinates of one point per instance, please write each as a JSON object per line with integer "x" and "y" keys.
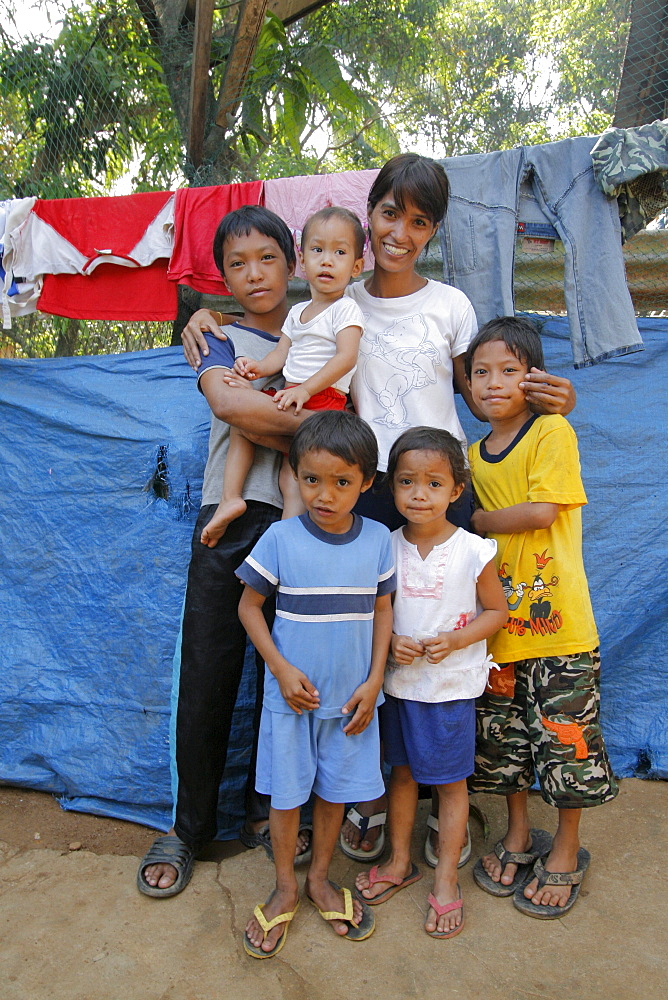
{"x": 101, "y": 462}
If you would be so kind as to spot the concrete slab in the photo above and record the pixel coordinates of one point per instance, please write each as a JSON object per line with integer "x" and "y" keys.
{"x": 74, "y": 927}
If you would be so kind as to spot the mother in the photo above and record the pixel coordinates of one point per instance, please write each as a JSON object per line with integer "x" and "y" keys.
{"x": 411, "y": 361}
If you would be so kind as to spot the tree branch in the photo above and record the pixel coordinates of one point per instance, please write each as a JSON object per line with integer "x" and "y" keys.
{"x": 151, "y": 20}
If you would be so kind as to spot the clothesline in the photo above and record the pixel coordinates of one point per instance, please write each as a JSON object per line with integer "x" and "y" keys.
{"x": 122, "y": 258}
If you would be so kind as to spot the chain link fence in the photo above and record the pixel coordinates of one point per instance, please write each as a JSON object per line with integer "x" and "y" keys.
{"x": 101, "y": 105}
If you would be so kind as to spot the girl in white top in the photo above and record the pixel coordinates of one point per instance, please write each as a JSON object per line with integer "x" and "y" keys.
{"x": 448, "y": 601}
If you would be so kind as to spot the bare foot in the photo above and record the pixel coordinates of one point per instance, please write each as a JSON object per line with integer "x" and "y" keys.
{"x": 396, "y": 870}
{"x": 227, "y": 511}
{"x": 352, "y": 835}
{"x": 280, "y": 901}
{"x": 327, "y": 898}
{"x": 303, "y": 842}
{"x": 515, "y": 843}
{"x": 161, "y": 876}
{"x": 445, "y": 891}
{"x": 563, "y": 860}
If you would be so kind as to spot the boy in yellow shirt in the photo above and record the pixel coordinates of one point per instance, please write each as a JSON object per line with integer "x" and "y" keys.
{"x": 539, "y": 713}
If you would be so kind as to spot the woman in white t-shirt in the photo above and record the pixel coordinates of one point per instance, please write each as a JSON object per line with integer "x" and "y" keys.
{"x": 417, "y": 329}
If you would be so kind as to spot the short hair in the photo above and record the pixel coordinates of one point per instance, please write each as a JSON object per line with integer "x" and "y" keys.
{"x": 415, "y": 178}
{"x": 345, "y": 215}
{"x": 341, "y": 433}
{"x": 242, "y": 220}
{"x": 520, "y": 336}
{"x": 430, "y": 439}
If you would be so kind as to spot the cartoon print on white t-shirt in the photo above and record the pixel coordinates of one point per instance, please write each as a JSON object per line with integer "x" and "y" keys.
{"x": 395, "y": 368}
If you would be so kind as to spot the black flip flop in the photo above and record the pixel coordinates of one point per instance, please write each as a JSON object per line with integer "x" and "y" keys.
{"x": 263, "y": 839}
{"x": 169, "y": 850}
{"x": 574, "y": 879}
{"x": 541, "y": 842}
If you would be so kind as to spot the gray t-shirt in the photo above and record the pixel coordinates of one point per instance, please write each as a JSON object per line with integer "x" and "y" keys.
{"x": 262, "y": 480}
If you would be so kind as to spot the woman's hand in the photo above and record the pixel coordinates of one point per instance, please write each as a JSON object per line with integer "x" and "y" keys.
{"x": 548, "y": 393}
{"x": 192, "y": 336}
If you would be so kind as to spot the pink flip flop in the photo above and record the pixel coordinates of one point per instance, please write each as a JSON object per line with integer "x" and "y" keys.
{"x": 440, "y": 910}
{"x": 397, "y": 883}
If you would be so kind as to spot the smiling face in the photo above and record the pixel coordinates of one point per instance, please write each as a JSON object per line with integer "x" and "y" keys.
{"x": 398, "y": 236}
{"x": 329, "y": 488}
{"x": 256, "y": 273}
{"x": 496, "y": 374}
{"x": 329, "y": 256}
{"x": 424, "y": 487}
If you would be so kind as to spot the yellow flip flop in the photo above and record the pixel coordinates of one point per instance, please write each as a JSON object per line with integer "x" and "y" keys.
{"x": 267, "y": 925}
{"x": 356, "y": 932}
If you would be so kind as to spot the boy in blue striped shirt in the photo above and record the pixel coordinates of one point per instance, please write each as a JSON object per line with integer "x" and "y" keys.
{"x": 333, "y": 575}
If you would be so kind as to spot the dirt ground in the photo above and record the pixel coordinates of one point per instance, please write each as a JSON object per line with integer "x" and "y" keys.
{"x": 33, "y": 820}
{"x": 30, "y": 820}
{"x": 74, "y": 927}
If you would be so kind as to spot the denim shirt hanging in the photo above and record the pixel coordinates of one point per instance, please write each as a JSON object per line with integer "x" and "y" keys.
{"x": 551, "y": 185}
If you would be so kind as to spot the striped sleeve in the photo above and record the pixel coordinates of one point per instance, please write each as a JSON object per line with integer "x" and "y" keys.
{"x": 387, "y": 580}
{"x": 221, "y": 355}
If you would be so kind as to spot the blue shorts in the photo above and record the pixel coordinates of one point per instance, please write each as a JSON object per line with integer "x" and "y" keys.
{"x": 298, "y": 754}
{"x": 435, "y": 740}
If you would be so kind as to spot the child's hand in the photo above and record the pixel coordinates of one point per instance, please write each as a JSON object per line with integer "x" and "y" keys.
{"x": 236, "y": 381}
{"x": 297, "y": 690}
{"x": 437, "y": 648}
{"x": 246, "y": 367}
{"x": 363, "y": 700}
{"x": 405, "y": 649}
{"x": 296, "y": 396}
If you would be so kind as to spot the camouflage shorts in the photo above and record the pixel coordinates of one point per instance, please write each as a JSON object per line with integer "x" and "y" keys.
{"x": 540, "y": 718}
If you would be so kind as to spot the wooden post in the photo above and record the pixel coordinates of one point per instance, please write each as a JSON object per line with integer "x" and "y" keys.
{"x": 247, "y": 32}
{"x": 199, "y": 80}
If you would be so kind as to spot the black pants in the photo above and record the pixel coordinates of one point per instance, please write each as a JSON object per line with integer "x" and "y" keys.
{"x": 212, "y": 657}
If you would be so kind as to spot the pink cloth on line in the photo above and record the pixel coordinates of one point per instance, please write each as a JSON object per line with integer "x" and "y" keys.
{"x": 297, "y": 198}
{"x": 196, "y": 217}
